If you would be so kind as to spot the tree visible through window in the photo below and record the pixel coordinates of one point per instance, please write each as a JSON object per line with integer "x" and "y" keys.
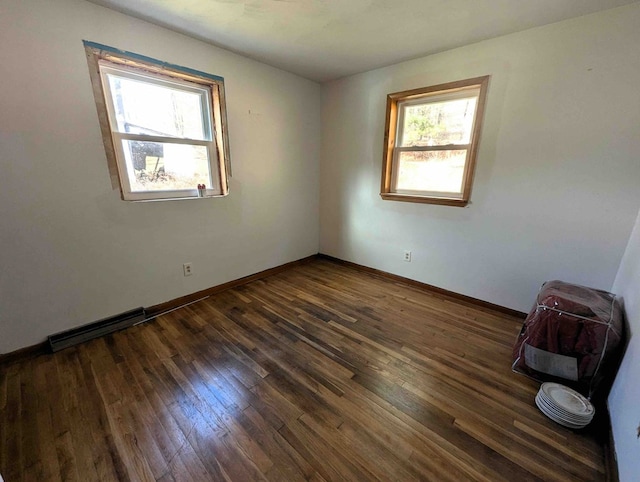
{"x": 163, "y": 126}
{"x": 431, "y": 139}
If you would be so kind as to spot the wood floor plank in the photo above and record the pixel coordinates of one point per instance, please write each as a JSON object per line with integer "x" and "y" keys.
{"x": 320, "y": 373}
{"x": 12, "y": 446}
{"x": 47, "y": 438}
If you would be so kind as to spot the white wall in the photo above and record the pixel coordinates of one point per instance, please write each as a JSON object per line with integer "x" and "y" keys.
{"x": 556, "y": 188}
{"x": 624, "y": 399}
{"x": 71, "y": 251}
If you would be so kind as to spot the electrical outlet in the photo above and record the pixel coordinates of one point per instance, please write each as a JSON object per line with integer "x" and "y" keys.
{"x": 407, "y": 256}
{"x": 186, "y": 268}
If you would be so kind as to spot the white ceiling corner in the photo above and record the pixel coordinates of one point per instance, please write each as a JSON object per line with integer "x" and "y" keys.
{"x": 327, "y": 39}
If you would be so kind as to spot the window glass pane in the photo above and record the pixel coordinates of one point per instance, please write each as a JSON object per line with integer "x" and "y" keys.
{"x": 148, "y": 108}
{"x": 431, "y": 171}
{"x": 162, "y": 166}
{"x": 438, "y": 123}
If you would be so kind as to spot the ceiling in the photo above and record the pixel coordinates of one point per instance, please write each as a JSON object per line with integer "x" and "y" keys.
{"x": 327, "y": 39}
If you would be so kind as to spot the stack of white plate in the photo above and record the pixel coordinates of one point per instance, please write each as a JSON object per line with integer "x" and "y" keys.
{"x": 564, "y": 405}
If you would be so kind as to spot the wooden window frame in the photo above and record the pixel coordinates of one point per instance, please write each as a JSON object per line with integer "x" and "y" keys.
{"x": 98, "y": 55}
{"x": 391, "y": 135}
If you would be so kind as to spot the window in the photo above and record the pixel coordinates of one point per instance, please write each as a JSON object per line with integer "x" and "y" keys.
{"x": 431, "y": 140}
{"x": 163, "y": 126}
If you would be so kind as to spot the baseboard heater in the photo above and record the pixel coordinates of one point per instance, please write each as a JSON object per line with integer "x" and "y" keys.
{"x": 99, "y": 328}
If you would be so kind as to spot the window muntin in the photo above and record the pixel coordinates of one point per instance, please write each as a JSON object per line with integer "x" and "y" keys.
{"x": 430, "y": 142}
{"x": 164, "y": 127}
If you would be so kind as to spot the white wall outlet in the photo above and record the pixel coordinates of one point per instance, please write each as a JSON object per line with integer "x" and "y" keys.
{"x": 407, "y": 256}
{"x": 186, "y": 268}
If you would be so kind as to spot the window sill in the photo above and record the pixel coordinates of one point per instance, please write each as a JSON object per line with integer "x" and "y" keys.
{"x": 212, "y": 196}
{"x": 390, "y": 196}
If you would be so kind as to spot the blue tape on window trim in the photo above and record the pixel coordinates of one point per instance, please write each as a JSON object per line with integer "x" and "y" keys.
{"x": 151, "y": 60}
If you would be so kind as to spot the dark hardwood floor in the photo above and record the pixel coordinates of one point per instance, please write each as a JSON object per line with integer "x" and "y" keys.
{"x": 318, "y": 373}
